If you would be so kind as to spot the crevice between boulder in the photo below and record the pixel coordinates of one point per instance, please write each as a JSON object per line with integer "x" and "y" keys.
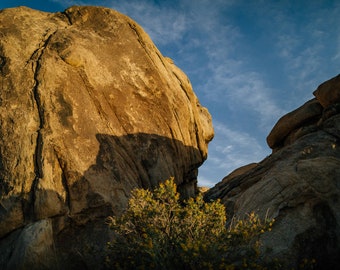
{"x": 36, "y": 59}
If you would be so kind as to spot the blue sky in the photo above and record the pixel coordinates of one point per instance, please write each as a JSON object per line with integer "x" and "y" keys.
{"x": 249, "y": 61}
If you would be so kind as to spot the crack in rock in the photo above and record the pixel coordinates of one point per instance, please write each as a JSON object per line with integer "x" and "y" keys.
{"x": 36, "y": 59}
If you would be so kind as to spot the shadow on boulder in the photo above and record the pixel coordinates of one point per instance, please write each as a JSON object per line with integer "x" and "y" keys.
{"x": 68, "y": 232}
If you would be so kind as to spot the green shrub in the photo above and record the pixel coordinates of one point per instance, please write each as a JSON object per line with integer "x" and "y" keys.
{"x": 158, "y": 231}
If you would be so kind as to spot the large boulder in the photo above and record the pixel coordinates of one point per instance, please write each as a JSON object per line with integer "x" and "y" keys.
{"x": 89, "y": 110}
{"x": 328, "y": 92}
{"x": 291, "y": 123}
{"x": 298, "y": 185}
{"x": 307, "y": 117}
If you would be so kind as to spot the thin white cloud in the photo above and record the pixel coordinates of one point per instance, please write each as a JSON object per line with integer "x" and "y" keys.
{"x": 229, "y": 150}
{"x": 245, "y": 90}
{"x": 236, "y": 146}
{"x": 302, "y": 42}
{"x": 229, "y": 79}
{"x": 163, "y": 24}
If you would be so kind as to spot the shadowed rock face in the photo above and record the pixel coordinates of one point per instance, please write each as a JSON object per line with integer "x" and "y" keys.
{"x": 298, "y": 184}
{"x": 90, "y": 109}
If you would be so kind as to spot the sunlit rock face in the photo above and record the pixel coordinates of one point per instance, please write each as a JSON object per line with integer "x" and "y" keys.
{"x": 89, "y": 110}
{"x": 298, "y": 185}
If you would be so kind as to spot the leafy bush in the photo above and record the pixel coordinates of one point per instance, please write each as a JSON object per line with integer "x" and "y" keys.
{"x": 158, "y": 231}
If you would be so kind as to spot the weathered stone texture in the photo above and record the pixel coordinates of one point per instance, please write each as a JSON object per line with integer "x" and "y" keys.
{"x": 89, "y": 110}
{"x": 328, "y": 93}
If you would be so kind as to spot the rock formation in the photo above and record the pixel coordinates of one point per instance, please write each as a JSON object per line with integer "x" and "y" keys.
{"x": 298, "y": 184}
{"x": 89, "y": 110}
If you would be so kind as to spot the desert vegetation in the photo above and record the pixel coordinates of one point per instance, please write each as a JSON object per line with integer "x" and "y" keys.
{"x": 159, "y": 231}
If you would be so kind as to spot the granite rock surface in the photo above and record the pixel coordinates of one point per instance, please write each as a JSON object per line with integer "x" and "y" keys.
{"x": 89, "y": 110}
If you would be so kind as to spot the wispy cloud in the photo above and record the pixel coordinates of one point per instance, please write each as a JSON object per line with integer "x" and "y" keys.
{"x": 243, "y": 90}
{"x": 164, "y": 24}
{"x": 230, "y": 150}
{"x": 302, "y": 43}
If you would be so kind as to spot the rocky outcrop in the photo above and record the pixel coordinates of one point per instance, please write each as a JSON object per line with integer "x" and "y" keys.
{"x": 295, "y": 124}
{"x": 298, "y": 185}
{"x": 90, "y": 109}
{"x": 328, "y": 93}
